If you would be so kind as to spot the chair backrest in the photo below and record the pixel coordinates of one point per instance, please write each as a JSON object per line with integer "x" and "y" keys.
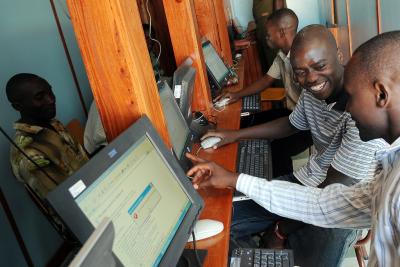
{"x": 76, "y": 130}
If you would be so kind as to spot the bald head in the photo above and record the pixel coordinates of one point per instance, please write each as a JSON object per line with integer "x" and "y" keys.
{"x": 378, "y": 57}
{"x": 314, "y": 34}
{"x": 285, "y": 19}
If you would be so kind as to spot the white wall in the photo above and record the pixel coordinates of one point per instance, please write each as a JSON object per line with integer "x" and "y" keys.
{"x": 306, "y": 10}
{"x": 29, "y": 42}
{"x": 242, "y": 10}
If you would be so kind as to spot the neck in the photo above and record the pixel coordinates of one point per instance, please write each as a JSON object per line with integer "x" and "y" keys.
{"x": 33, "y": 121}
{"x": 288, "y": 44}
{"x": 394, "y": 124}
{"x": 338, "y": 93}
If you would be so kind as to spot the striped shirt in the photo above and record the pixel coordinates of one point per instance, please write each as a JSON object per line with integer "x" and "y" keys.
{"x": 336, "y": 141}
{"x": 373, "y": 203}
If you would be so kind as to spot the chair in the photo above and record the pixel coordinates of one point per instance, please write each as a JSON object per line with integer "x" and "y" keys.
{"x": 361, "y": 251}
{"x": 275, "y": 97}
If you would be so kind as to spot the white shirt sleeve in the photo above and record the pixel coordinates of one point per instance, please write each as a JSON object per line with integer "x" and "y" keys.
{"x": 94, "y": 135}
{"x": 335, "y": 206}
{"x": 274, "y": 71}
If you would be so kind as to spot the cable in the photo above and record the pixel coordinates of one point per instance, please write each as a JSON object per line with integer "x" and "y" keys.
{"x": 151, "y": 38}
{"x": 195, "y": 250}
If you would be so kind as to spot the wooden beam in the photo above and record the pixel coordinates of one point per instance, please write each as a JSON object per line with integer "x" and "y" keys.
{"x": 378, "y": 16}
{"x": 349, "y": 27}
{"x": 117, "y": 62}
{"x": 223, "y": 30}
{"x": 185, "y": 40}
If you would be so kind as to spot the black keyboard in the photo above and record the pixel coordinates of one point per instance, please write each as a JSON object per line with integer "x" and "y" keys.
{"x": 254, "y": 158}
{"x": 242, "y": 257}
{"x": 251, "y": 103}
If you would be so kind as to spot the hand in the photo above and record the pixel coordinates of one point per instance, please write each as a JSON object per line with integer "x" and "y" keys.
{"x": 226, "y": 136}
{"x": 209, "y": 174}
{"x": 233, "y": 97}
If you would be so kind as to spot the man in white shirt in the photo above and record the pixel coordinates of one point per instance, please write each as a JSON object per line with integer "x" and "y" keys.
{"x": 372, "y": 82}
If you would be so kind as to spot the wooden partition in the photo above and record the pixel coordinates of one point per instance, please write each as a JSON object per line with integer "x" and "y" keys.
{"x": 185, "y": 40}
{"x": 212, "y": 21}
{"x": 114, "y": 51}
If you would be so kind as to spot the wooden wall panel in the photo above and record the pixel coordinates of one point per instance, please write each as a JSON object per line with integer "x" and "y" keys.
{"x": 211, "y": 19}
{"x": 114, "y": 51}
{"x": 185, "y": 38}
{"x": 222, "y": 24}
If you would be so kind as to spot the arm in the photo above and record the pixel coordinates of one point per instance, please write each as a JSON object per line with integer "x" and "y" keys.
{"x": 275, "y": 129}
{"x": 336, "y": 206}
{"x": 254, "y": 88}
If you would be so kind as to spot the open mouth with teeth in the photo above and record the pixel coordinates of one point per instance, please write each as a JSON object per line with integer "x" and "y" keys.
{"x": 318, "y": 87}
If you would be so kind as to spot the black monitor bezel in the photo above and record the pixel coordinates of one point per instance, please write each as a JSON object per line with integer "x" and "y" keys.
{"x": 189, "y": 137}
{"x": 219, "y": 83}
{"x": 187, "y": 83}
{"x": 76, "y": 220}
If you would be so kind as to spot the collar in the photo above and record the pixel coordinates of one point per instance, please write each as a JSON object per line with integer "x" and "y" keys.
{"x": 283, "y": 56}
{"x": 34, "y": 129}
{"x": 394, "y": 147}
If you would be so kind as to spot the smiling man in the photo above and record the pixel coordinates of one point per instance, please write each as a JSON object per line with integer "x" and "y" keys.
{"x": 43, "y": 138}
{"x": 373, "y": 86}
{"x": 339, "y": 154}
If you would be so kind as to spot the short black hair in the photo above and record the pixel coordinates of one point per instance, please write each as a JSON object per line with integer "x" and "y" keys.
{"x": 284, "y": 16}
{"x": 379, "y": 55}
{"x": 17, "y": 82}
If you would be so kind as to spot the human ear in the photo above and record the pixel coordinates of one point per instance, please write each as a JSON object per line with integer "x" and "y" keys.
{"x": 16, "y": 106}
{"x": 382, "y": 94}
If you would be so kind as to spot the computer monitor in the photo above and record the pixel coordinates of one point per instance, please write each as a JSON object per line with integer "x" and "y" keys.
{"x": 178, "y": 130}
{"x": 137, "y": 182}
{"x": 183, "y": 85}
{"x": 216, "y": 68}
{"x": 97, "y": 250}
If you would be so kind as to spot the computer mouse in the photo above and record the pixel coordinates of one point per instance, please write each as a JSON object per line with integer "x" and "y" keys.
{"x": 206, "y": 228}
{"x": 210, "y": 142}
{"x": 221, "y": 103}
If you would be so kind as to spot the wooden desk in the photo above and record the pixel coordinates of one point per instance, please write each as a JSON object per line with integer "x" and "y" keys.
{"x": 218, "y": 203}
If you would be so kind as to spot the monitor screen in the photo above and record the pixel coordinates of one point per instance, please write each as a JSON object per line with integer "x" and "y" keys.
{"x": 178, "y": 130}
{"x": 214, "y": 63}
{"x": 137, "y": 183}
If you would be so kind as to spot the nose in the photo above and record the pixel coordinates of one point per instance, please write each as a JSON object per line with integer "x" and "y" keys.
{"x": 312, "y": 77}
{"x": 50, "y": 98}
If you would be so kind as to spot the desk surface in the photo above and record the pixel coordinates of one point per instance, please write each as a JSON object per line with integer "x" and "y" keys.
{"x": 218, "y": 203}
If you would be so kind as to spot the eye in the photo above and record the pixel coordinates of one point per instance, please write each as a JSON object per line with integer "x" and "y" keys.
{"x": 39, "y": 96}
{"x": 300, "y": 73}
{"x": 320, "y": 67}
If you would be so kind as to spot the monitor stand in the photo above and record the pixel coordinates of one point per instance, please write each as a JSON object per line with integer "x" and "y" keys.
{"x": 188, "y": 258}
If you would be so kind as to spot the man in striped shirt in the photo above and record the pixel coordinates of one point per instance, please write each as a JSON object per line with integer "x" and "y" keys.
{"x": 372, "y": 82}
{"x": 339, "y": 154}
